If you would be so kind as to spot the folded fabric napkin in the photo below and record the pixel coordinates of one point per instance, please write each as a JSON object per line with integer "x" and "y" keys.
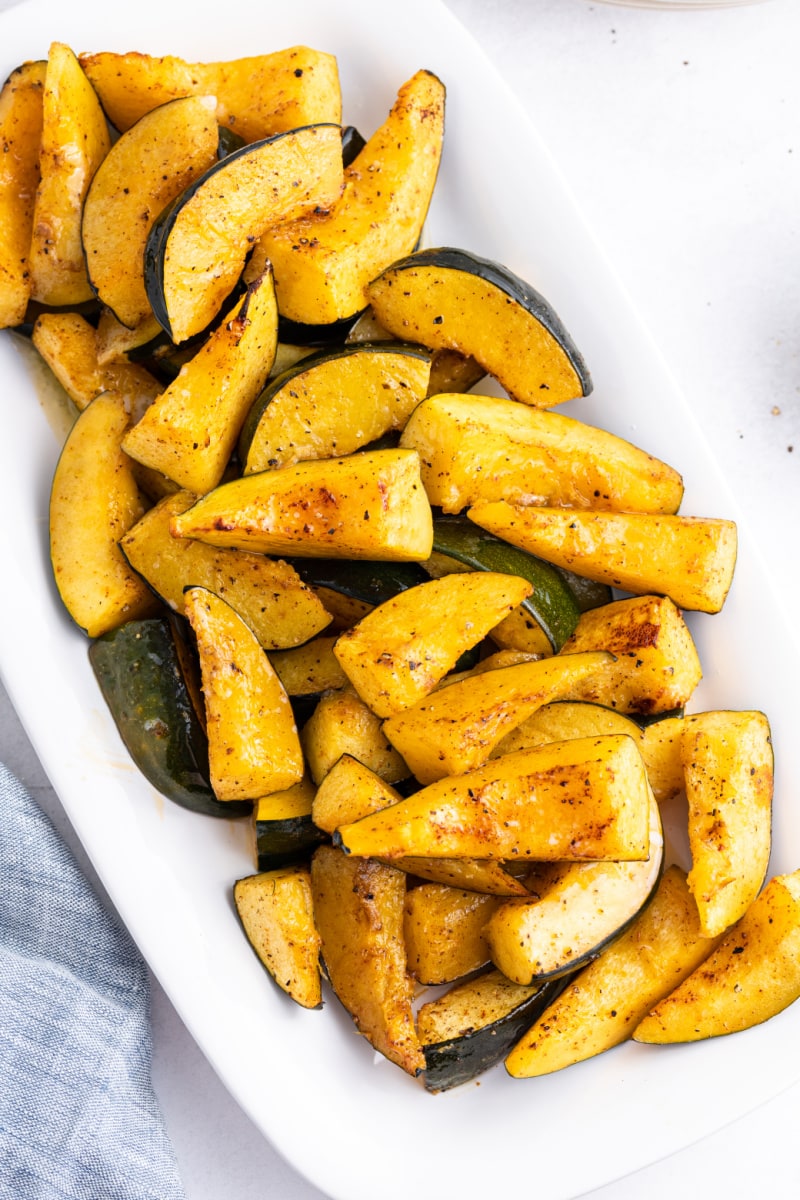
{"x": 78, "y": 1116}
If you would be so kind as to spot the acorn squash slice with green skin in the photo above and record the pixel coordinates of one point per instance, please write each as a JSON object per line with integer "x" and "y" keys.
{"x": 276, "y": 912}
{"x": 190, "y": 431}
{"x": 94, "y": 501}
{"x": 20, "y": 135}
{"x": 140, "y": 669}
{"x": 333, "y": 403}
{"x": 283, "y": 828}
{"x": 360, "y": 579}
{"x": 323, "y": 262}
{"x": 155, "y": 161}
{"x": 450, "y": 299}
{"x": 552, "y": 603}
{"x": 281, "y": 610}
{"x": 254, "y": 748}
{"x": 473, "y": 1026}
{"x": 197, "y": 246}
{"x": 574, "y": 912}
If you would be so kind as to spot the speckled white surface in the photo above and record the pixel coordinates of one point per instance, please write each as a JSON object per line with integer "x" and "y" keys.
{"x": 679, "y": 134}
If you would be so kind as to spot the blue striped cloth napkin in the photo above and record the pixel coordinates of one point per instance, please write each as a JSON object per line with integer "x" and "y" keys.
{"x": 78, "y": 1116}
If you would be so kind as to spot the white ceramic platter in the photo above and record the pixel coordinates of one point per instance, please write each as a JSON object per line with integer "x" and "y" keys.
{"x": 354, "y": 1125}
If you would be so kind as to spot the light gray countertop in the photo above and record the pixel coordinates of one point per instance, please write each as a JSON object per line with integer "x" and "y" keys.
{"x": 679, "y": 133}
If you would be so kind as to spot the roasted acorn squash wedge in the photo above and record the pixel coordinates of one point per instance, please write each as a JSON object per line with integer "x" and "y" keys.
{"x": 333, "y": 403}
{"x": 94, "y": 501}
{"x": 443, "y": 929}
{"x": 450, "y": 299}
{"x": 656, "y": 667}
{"x": 473, "y": 1026}
{"x": 753, "y": 974}
{"x": 728, "y": 771}
{"x": 141, "y": 670}
{"x": 350, "y": 790}
{"x": 268, "y": 593}
{"x": 190, "y": 432}
{"x": 20, "y": 135}
{"x": 397, "y": 653}
{"x": 455, "y": 729}
{"x": 574, "y": 912}
{"x": 276, "y": 911}
{"x": 253, "y": 744}
{"x": 476, "y": 448}
{"x": 197, "y": 246}
{"x": 586, "y": 798}
{"x": 603, "y": 1004}
{"x": 358, "y": 907}
{"x": 368, "y": 505}
{"x": 256, "y": 96}
{"x": 689, "y": 559}
{"x": 324, "y": 262}
{"x": 283, "y": 828}
{"x": 551, "y": 604}
{"x": 155, "y": 161}
{"x": 75, "y": 140}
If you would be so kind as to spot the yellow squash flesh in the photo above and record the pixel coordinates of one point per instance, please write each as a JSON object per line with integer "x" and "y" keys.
{"x": 75, "y": 141}
{"x": 253, "y": 746}
{"x": 93, "y": 502}
{"x": 587, "y": 798}
{"x": 753, "y": 974}
{"x": 358, "y": 906}
{"x": 453, "y": 309}
{"x": 268, "y": 594}
{"x": 68, "y": 344}
{"x": 367, "y": 505}
{"x": 323, "y": 263}
{"x": 479, "y": 448}
{"x": 574, "y": 911}
{"x": 214, "y": 226}
{"x": 151, "y": 164}
{"x": 276, "y": 911}
{"x": 689, "y": 559}
{"x": 256, "y": 96}
{"x": 350, "y": 790}
{"x": 443, "y": 929}
{"x": 728, "y": 769}
{"x": 190, "y": 432}
{"x": 20, "y": 134}
{"x": 334, "y": 407}
{"x": 603, "y": 1005}
{"x": 398, "y": 652}
{"x": 343, "y": 724}
{"x": 457, "y": 727}
{"x": 657, "y": 666}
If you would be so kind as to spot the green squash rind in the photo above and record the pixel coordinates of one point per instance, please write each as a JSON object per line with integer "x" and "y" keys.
{"x": 552, "y": 603}
{"x": 324, "y": 355}
{"x": 518, "y": 290}
{"x": 459, "y": 1060}
{"x": 138, "y": 670}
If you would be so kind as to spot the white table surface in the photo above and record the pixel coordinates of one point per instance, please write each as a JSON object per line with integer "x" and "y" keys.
{"x": 679, "y": 133}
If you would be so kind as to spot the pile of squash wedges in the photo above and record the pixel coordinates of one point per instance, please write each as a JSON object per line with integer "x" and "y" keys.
{"x": 427, "y": 638}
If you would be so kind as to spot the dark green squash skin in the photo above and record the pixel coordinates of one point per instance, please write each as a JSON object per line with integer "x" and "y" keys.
{"x": 587, "y": 593}
{"x": 138, "y": 669}
{"x": 453, "y": 259}
{"x": 461, "y": 1059}
{"x": 352, "y": 144}
{"x": 552, "y": 603}
{"x": 299, "y": 333}
{"x": 329, "y": 354}
{"x": 361, "y": 579}
{"x": 283, "y": 842}
{"x": 155, "y": 247}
